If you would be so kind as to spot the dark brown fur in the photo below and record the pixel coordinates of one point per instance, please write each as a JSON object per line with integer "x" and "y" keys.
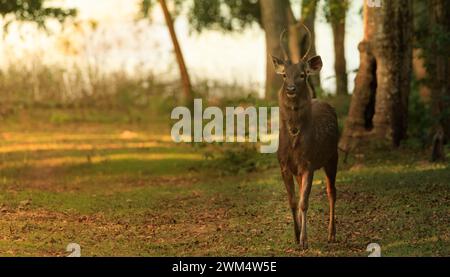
{"x": 308, "y": 141}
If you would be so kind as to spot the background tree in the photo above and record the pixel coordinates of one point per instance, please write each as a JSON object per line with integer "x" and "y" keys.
{"x": 299, "y": 38}
{"x": 236, "y": 15}
{"x": 335, "y": 13}
{"x": 431, "y": 68}
{"x": 178, "y": 53}
{"x": 380, "y": 99}
{"x": 274, "y": 21}
{"x": 271, "y": 15}
{"x": 421, "y": 22}
{"x": 146, "y": 6}
{"x": 226, "y": 15}
{"x": 438, "y": 70}
{"x": 31, "y": 10}
{"x": 308, "y": 17}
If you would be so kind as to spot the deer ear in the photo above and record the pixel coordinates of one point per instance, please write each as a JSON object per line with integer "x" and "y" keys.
{"x": 314, "y": 65}
{"x": 278, "y": 65}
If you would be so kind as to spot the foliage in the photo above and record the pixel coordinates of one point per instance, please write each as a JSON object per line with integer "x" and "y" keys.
{"x": 336, "y": 10}
{"x": 308, "y": 6}
{"x": 53, "y": 86}
{"x": 430, "y": 40}
{"x": 241, "y": 158}
{"x": 433, "y": 40}
{"x": 33, "y": 10}
{"x": 148, "y": 5}
{"x": 229, "y": 15}
{"x": 419, "y": 117}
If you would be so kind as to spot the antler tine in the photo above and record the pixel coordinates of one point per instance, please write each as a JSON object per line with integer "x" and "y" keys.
{"x": 310, "y": 41}
{"x": 285, "y": 54}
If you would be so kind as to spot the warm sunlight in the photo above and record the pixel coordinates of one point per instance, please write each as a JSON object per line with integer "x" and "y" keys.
{"x": 232, "y": 136}
{"x": 121, "y": 42}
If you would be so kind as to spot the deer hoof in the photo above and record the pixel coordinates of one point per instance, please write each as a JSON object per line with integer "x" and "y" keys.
{"x": 303, "y": 245}
{"x": 332, "y": 237}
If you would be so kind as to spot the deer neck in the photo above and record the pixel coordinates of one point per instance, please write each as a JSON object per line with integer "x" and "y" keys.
{"x": 296, "y": 115}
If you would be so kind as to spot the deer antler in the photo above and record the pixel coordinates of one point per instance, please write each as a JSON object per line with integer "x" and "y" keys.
{"x": 285, "y": 54}
{"x": 283, "y": 49}
{"x": 310, "y": 40}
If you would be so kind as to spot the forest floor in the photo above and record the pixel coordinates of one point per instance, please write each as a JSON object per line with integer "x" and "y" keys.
{"x": 121, "y": 189}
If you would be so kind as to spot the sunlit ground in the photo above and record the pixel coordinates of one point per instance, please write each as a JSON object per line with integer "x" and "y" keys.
{"x": 121, "y": 189}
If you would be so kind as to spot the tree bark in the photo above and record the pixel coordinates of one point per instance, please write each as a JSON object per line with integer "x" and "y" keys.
{"x": 379, "y": 103}
{"x": 274, "y": 21}
{"x": 187, "y": 92}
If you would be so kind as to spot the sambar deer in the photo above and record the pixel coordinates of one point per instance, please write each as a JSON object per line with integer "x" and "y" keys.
{"x": 308, "y": 138}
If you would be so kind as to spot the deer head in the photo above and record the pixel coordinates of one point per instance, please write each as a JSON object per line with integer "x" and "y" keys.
{"x": 295, "y": 74}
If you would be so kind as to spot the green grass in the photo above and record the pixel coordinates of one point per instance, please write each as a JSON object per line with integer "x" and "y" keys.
{"x": 123, "y": 189}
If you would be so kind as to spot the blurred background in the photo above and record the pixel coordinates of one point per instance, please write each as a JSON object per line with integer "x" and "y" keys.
{"x": 125, "y": 41}
{"x": 86, "y": 93}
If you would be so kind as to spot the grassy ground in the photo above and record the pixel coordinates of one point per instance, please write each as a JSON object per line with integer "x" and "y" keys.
{"x": 121, "y": 189}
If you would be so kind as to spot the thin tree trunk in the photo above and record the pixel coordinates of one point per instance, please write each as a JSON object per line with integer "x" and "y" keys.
{"x": 187, "y": 92}
{"x": 379, "y": 103}
{"x": 294, "y": 46}
{"x": 340, "y": 64}
{"x": 308, "y": 13}
{"x": 274, "y": 21}
{"x": 299, "y": 39}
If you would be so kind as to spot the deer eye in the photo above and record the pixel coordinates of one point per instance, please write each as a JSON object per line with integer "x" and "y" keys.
{"x": 302, "y": 75}
{"x": 284, "y": 76}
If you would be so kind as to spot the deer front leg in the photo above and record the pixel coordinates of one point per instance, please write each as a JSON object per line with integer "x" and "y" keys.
{"x": 290, "y": 188}
{"x": 305, "y": 190}
{"x": 330, "y": 171}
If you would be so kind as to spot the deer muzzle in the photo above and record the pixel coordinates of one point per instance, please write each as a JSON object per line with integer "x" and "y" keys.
{"x": 290, "y": 91}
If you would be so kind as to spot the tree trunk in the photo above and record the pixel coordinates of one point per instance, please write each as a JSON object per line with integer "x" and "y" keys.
{"x": 187, "y": 92}
{"x": 340, "y": 65}
{"x": 294, "y": 45}
{"x": 274, "y": 21}
{"x": 438, "y": 68}
{"x": 308, "y": 12}
{"x": 379, "y": 103}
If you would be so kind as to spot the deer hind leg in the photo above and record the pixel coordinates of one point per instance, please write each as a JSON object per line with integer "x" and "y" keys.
{"x": 305, "y": 190}
{"x": 290, "y": 188}
{"x": 330, "y": 171}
